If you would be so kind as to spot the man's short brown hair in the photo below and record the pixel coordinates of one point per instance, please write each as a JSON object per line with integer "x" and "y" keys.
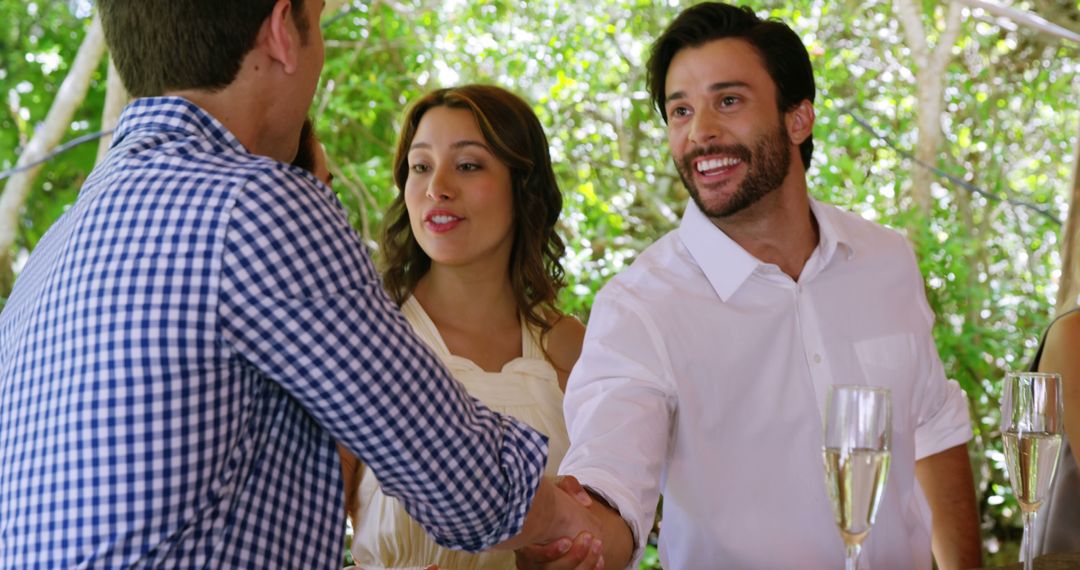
{"x": 170, "y": 45}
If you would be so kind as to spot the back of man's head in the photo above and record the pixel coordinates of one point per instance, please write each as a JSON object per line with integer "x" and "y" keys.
{"x": 782, "y": 53}
{"x": 172, "y": 45}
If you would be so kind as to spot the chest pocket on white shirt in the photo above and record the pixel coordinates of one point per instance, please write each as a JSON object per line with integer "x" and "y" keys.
{"x": 890, "y": 362}
{"x": 887, "y": 361}
{"x": 893, "y": 351}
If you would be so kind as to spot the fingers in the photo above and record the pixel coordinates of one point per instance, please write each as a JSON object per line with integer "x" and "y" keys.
{"x": 535, "y": 555}
{"x": 573, "y": 487}
{"x": 592, "y": 552}
{"x": 584, "y": 553}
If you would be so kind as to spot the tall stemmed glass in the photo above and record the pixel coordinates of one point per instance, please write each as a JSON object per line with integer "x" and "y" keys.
{"x": 858, "y": 436}
{"x": 1031, "y": 424}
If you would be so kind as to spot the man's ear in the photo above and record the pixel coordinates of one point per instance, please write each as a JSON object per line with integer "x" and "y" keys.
{"x": 800, "y": 121}
{"x": 280, "y": 36}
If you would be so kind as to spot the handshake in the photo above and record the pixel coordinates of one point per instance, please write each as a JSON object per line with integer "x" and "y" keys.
{"x": 567, "y": 529}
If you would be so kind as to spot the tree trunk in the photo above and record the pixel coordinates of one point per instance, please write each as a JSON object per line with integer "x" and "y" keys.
{"x": 116, "y": 97}
{"x": 1069, "y": 287}
{"x": 71, "y": 94}
{"x": 930, "y": 82}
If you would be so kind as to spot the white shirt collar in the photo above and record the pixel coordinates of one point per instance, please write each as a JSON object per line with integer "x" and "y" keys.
{"x": 727, "y": 265}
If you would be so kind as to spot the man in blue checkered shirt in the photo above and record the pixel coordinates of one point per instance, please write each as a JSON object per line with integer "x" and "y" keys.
{"x": 185, "y": 345}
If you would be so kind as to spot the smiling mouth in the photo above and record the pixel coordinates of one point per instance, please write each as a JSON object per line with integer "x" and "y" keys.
{"x": 439, "y": 222}
{"x": 716, "y": 166}
{"x": 442, "y": 219}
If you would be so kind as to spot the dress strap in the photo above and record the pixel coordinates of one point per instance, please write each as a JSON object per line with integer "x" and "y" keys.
{"x": 530, "y": 340}
{"x": 425, "y": 327}
{"x": 1038, "y": 354}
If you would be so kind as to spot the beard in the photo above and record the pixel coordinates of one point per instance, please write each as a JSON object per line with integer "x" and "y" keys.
{"x": 767, "y": 167}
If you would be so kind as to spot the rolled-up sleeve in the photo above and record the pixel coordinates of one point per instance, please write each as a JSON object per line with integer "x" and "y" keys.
{"x": 942, "y": 415}
{"x": 619, "y": 407}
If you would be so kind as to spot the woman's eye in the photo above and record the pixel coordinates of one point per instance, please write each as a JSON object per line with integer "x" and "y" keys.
{"x": 419, "y": 168}
{"x": 469, "y": 166}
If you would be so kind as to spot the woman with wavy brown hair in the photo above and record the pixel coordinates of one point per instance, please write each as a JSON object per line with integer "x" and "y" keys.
{"x": 472, "y": 255}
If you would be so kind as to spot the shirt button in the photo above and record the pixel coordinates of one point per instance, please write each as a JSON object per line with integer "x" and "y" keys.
{"x": 817, "y": 359}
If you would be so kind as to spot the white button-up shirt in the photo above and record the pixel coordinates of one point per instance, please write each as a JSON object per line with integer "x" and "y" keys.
{"x": 703, "y": 377}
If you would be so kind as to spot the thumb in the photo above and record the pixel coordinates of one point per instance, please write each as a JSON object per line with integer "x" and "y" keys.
{"x": 573, "y": 487}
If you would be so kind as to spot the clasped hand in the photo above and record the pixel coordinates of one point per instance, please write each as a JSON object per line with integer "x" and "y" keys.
{"x": 574, "y": 518}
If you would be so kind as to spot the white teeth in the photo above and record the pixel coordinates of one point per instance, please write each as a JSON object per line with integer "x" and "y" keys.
{"x": 715, "y": 163}
{"x": 442, "y": 219}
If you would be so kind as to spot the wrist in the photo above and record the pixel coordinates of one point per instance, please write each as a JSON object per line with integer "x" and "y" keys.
{"x": 539, "y": 520}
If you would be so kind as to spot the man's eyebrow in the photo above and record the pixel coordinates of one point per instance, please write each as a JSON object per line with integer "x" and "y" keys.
{"x": 719, "y": 86}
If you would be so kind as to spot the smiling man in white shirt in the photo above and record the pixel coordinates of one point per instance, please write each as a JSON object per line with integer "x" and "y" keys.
{"x": 706, "y": 363}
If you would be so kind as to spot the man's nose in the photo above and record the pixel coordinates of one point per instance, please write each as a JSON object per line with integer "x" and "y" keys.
{"x": 705, "y": 128}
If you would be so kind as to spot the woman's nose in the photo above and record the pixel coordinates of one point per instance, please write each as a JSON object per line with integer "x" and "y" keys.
{"x": 440, "y": 187}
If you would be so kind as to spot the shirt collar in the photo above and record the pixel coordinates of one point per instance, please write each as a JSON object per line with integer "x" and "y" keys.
{"x": 727, "y": 265}
{"x": 832, "y": 233}
{"x": 174, "y": 114}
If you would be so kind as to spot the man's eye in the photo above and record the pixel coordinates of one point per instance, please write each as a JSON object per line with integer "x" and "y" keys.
{"x": 729, "y": 100}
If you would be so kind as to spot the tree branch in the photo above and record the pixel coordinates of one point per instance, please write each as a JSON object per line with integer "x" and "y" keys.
{"x": 1026, "y": 19}
{"x": 1043, "y": 211}
{"x": 364, "y": 199}
{"x": 943, "y": 50}
{"x": 71, "y": 94}
{"x": 116, "y": 98}
{"x": 912, "y": 24}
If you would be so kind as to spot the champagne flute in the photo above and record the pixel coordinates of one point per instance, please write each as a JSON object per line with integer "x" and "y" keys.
{"x": 1031, "y": 425}
{"x": 858, "y": 435}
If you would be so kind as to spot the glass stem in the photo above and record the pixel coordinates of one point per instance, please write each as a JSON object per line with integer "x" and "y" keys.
{"x": 1029, "y": 539}
{"x": 851, "y": 561}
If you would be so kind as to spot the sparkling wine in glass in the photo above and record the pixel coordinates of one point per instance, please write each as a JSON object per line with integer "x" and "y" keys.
{"x": 858, "y": 434}
{"x": 1031, "y": 427}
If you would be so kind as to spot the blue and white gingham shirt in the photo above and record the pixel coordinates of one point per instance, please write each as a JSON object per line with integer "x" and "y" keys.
{"x": 183, "y": 348}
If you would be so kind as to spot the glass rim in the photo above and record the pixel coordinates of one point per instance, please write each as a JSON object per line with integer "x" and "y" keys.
{"x": 860, "y": 387}
{"x": 1015, "y": 374}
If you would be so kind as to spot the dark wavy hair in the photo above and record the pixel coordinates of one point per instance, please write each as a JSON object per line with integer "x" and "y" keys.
{"x": 780, "y": 48}
{"x": 514, "y": 134}
{"x": 184, "y": 44}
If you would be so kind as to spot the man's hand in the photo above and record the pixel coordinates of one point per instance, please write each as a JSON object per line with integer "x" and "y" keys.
{"x": 586, "y": 551}
{"x": 583, "y": 553}
{"x": 555, "y": 514}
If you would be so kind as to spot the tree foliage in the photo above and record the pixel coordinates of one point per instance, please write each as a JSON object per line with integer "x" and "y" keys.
{"x": 988, "y": 245}
{"x": 37, "y": 47}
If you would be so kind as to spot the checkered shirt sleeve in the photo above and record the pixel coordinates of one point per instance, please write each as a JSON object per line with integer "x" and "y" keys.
{"x": 183, "y": 348}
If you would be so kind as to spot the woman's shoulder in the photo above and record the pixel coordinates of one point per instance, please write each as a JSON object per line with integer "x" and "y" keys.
{"x": 564, "y": 344}
{"x": 1064, "y": 333}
